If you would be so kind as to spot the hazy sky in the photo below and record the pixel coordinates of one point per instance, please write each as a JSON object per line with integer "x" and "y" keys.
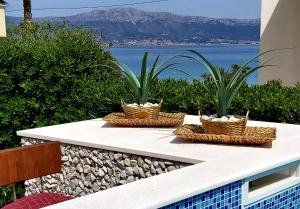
{"x": 210, "y": 8}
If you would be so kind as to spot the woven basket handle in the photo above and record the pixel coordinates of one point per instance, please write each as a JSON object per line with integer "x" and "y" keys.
{"x": 199, "y": 113}
{"x": 247, "y": 116}
{"x": 123, "y": 103}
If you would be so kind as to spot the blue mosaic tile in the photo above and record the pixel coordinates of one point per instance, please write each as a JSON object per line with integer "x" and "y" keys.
{"x": 230, "y": 197}
{"x": 287, "y": 199}
{"x": 227, "y": 197}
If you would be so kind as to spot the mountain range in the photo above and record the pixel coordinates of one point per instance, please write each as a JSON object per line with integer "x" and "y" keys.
{"x": 129, "y": 25}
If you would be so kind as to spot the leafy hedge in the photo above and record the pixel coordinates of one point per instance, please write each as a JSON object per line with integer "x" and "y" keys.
{"x": 272, "y": 101}
{"x": 39, "y": 74}
{"x": 40, "y": 69}
{"x": 57, "y": 75}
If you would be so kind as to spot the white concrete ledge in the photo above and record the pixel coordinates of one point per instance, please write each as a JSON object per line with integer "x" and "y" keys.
{"x": 152, "y": 142}
{"x": 220, "y": 164}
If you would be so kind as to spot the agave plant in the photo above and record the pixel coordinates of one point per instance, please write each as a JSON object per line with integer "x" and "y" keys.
{"x": 143, "y": 84}
{"x": 226, "y": 90}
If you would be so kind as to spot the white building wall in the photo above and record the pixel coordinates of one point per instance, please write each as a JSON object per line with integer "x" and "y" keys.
{"x": 2, "y": 22}
{"x": 280, "y": 28}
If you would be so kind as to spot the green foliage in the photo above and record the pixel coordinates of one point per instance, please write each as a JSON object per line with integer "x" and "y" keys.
{"x": 226, "y": 88}
{"x": 272, "y": 101}
{"x": 141, "y": 86}
{"x": 41, "y": 75}
{"x": 6, "y": 194}
{"x": 226, "y": 75}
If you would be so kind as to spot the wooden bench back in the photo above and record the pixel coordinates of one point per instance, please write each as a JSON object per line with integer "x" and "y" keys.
{"x": 28, "y": 162}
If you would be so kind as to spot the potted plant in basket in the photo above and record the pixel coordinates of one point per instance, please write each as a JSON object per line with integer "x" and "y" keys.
{"x": 226, "y": 90}
{"x": 142, "y": 85}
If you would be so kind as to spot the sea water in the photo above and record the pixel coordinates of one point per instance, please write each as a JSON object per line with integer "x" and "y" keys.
{"x": 220, "y": 55}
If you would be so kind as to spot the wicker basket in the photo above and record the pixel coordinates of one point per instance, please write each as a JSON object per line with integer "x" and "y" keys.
{"x": 252, "y": 136}
{"x": 164, "y": 120}
{"x": 231, "y": 128}
{"x": 141, "y": 112}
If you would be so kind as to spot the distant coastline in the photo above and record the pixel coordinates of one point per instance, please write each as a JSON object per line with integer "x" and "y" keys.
{"x": 132, "y": 27}
{"x": 155, "y": 42}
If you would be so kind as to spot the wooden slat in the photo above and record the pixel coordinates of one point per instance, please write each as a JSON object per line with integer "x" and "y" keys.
{"x": 23, "y": 163}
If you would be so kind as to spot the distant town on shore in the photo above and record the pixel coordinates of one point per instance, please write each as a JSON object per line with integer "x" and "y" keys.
{"x": 132, "y": 27}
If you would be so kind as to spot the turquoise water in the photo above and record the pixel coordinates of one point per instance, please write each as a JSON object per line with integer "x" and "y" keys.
{"x": 220, "y": 55}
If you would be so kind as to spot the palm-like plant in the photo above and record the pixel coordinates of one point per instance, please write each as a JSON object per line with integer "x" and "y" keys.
{"x": 226, "y": 90}
{"x": 142, "y": 85}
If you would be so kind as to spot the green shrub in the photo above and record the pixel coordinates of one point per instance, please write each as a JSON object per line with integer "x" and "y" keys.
{"x": 272, "y": 101}
{"x": 40, "y": 73}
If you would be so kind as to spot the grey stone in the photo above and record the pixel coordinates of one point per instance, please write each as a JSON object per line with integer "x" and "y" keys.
{"x": 148, "y": 161}
{"x": 86, "y": 169}
{"x": 94, "y": 171}
{"x": 93, "y": 178}
{"x": 99, "y": 163}
{"x": 136, "y": 170}
{"x": 129, "y": 171}
{"x": 156, "y": 164}
{"x": 167, "y": 163}
{"x": 103, "y": 182}
{"x": 117, "y": 156}
{"x": 141, "y": 172}
{"x": 159, "y": 171}
{"x": 101, "y": 173}
{"x": 109, "y": 171}
{"x": 171, "y": 168}
{"x": 65, "y": 159}
{"x": 87, "y": 183}
{"x": 107, "y": 178}
{"x": 104, "y": 169}
{"x": 122, "y": 182}
{"x": 81, "y": 185}
{"x": 71, "y": 153}
{"x": 121, "y": 165}
{"x": 162, "y": 165}
{"x": 78, "y": 190}
{"x": 125, "y": 156}
{"x": 140, "y": 161}
{"x": 87, "y": 161}
{"x": 94, "y": 159}
{"x": 123, "y": 174}
{"x": 152, "y": 169}
{"x": 81, "y": 153}
{"x": 79, "y": 168}
{"x": 61, "y": 178}
{"x": 108, "y": 164}
{"x": 96, "y": 188}
{"x": 130, "y": 179}
{"x": 75, "y": 160}
{"x": 127, "y": 162}
{"x": 146, "y": 167}
{"x": 133, "y": 163}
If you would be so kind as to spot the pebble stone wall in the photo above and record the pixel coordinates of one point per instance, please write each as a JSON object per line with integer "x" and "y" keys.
{"x": 88, "y": 170}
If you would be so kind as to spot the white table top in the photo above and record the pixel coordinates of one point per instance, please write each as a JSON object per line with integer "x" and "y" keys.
{"x": 216, "y": 165}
